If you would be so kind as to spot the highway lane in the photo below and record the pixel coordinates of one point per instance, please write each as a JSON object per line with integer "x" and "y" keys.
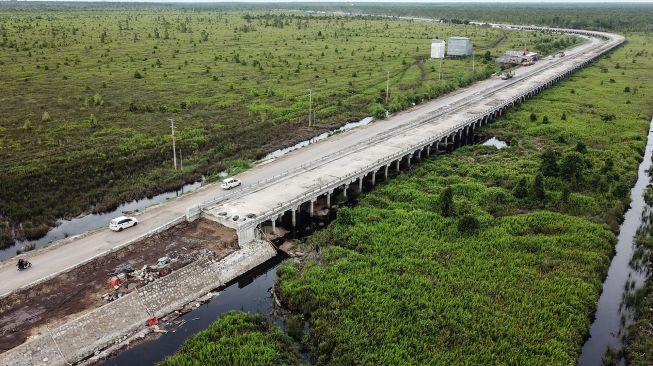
{"x": 61, "y": 256}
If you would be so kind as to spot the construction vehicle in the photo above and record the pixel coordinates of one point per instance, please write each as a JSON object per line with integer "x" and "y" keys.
{"x": 507, "y": 75}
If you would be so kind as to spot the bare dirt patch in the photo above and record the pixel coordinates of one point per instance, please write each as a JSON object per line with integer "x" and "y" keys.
{"x": 26, "y": 313}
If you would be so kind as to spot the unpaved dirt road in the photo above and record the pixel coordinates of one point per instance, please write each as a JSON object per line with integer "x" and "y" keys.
{"x": 53, "y": 302}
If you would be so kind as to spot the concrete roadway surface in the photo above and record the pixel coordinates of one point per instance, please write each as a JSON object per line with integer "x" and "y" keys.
{"x": 59, "y": 257}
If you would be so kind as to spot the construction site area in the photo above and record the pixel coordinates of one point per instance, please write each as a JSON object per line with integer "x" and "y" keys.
{"x": 35, "y": 311}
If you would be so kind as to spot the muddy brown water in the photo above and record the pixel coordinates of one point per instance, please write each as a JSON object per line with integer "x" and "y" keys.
{"x": 246, "y": 293}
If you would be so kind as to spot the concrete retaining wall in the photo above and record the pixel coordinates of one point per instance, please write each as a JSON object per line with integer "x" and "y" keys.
{"x": 99, "y": 328}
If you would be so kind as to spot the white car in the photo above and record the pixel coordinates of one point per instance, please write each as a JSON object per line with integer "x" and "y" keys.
{"x": 122, "y": 222}
{"x": 230, "y": 183}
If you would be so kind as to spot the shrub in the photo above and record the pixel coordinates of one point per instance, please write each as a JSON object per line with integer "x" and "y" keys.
{"x": 538, "y": 188}
{"x": 468, "y": 225}
{"x": 533, "y": 117}
{"x": 549, "y": 163}
{"x": 97, "y": 99}
{"x": 137, "y": 75}
{"x": 521, "y": 189}
{"x": 45, "y": 117}
{"x": 447, "y": 208}
{"x": 572, "y": 166}
{"x": 377, "y": 111}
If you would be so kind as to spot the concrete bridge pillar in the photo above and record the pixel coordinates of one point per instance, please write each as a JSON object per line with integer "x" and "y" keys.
{"x": 428, "y": 150}
{"x": 360, "y": 184}
{"x": 373, "y": 178}
{"x": 329, "y": 199}
{"x": 419, "y": 154}
{"x": 409, "y": 157}
{"x": 398, "y": 162}
{"x": 311, "y": 208}
{"x": 294, "y": 217}
{"x": 274, "y": 225}
{"x": 437, "y": 147}
{"x": 344, "y": 190}
{"x": 386, "y": 172}
{"x": 246, "y": 235}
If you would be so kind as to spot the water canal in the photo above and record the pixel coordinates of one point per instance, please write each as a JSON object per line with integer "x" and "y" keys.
{"x": 612, "y": 317}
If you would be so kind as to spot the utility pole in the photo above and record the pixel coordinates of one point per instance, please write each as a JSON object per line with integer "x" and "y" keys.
{"x": 387, "y": 88}
{"x": 174, "y": 150}
{"x": 181, "y": 161}
{"x": 310, "y": 105}
{"x": 440, "y": 76}
{"x": 473, "y": 63}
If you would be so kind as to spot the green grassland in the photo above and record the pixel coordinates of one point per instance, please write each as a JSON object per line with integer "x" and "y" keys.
{"x": 237, "y": 339}
{"x": 87, "y": 93}
{"x": 486, "y": 256}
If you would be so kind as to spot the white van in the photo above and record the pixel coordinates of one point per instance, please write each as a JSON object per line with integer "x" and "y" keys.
{"x": 122, "y": 222}
{"x": 230, "y": 183}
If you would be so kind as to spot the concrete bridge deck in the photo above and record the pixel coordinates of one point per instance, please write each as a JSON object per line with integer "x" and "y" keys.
{"x": 75, "y": 250}
{"x": 429, "y": 132}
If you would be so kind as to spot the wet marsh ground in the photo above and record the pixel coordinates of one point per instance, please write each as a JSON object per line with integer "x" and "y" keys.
{"x": 88, "y": 94}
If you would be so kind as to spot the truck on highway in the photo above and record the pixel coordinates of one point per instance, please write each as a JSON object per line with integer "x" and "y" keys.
{"x": 506, "y": 75}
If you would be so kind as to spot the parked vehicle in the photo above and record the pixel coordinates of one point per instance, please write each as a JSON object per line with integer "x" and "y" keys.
{"x": 230, "y": 183}
{"x": 507, "y": 75}
{"x": 122, "y": 222}
{"x": 23, "y": 264}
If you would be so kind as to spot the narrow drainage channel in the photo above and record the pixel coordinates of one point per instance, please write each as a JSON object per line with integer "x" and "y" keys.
{"x": 249, "y": 292}
{"x": 612, "y": 316}
{"x": 82, "y": 224}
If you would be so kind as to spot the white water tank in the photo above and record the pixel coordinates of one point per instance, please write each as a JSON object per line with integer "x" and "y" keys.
{"x": 437, "y": 48}
{"x": 459, "y": 46}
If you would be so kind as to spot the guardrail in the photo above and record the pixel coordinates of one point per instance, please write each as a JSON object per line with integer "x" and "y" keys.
{"x": 319, "y": 190}
{"x": 412, "y": 124}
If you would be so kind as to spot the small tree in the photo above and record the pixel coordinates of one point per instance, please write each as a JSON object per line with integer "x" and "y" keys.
{"x": 572, "y": 167}
{"x": 627, "y": 89}
{"x": 137, "y": 75}
{"x": 487, "y": 56}
{"x": 564, "y": 198}
{"x": 521, "y": 189}
{"x": 563, "y": 117}
{"x": 533, "y": 117}
{"x": 45, "y": 117}
{"x": 468, "y": 225}
{"x": 93, "y": 120}
{"x": 545, "y": 119}
{"x": 549, "y": 164}
{"x": 538, "y": 188}
{"x": 447, "y": 208}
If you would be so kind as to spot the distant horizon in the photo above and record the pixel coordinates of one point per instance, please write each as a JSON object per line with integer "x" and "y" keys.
{"x": 524, "y": 2}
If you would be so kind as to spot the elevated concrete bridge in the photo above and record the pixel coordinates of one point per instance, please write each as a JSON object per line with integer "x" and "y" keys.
{"x": 294, "y": 182}
{"x": 437, "y": 130}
